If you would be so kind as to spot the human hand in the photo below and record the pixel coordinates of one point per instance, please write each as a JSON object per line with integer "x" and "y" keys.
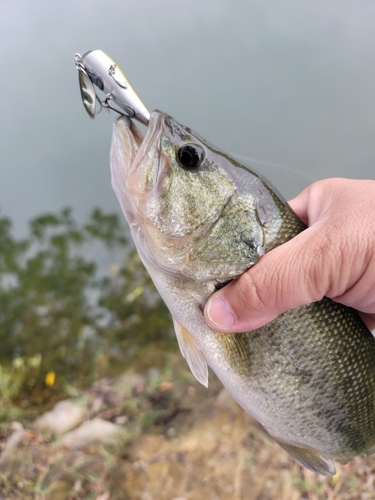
{"x": 333, "y": 257}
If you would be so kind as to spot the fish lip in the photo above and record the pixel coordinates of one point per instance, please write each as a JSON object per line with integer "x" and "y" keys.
{"x": 153, "y": 130}
{"x": 128, "y": 148}
{"x": 143, "y": 170}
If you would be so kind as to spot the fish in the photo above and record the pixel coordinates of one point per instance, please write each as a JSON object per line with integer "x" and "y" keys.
{"x": 199, "y": 218}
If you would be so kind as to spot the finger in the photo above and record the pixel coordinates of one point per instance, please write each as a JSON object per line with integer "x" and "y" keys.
{"x": 369, "y": 320}
{"x": 289, "y": 276}
{"x": 299, "y": 205}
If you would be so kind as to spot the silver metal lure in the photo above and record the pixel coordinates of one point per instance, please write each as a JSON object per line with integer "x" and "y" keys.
{"x": 95, "y": 67}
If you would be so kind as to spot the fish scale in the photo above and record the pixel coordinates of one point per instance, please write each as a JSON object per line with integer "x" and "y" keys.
{"x": 284, "y": 374}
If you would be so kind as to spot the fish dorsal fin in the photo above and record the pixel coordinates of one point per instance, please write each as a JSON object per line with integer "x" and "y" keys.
{"x": 191, "y": 352}
{"x": 310, "y": 458}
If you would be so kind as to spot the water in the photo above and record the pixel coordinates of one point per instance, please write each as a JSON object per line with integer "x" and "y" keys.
{"x": 285, "y": 83}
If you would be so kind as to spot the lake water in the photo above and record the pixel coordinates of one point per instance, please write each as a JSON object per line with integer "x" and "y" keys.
{"x": 290, "y": 84}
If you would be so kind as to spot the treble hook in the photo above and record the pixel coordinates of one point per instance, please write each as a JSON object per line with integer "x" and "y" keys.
{"x": 95, "y": 67}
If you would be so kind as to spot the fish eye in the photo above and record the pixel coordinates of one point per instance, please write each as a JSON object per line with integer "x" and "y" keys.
{"x": 190, "y": 156}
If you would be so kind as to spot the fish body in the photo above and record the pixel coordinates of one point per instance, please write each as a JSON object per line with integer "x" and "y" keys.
{"x": 199, "y": 219}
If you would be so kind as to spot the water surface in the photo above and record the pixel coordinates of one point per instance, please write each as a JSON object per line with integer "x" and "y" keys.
{"x": 287, "y": 83}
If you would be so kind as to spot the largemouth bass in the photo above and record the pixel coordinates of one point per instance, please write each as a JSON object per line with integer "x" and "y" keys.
{"x": 199, "y": 219}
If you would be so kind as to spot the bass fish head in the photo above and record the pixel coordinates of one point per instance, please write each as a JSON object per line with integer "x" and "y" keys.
{"x": 192, "y": 209}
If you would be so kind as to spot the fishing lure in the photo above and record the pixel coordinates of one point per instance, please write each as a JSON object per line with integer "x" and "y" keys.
{"x": 97, "y": 69}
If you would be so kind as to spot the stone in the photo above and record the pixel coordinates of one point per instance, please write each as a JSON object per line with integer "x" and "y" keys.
{"x": 63, "y": 417}
{"x": 93, "y": 431}
{"x": 12, "y": 441}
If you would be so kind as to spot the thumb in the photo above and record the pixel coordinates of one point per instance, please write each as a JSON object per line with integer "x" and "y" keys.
{"x": 288, "y": 276}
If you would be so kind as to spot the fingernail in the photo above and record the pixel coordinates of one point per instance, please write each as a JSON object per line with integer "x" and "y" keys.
{"x": 220, "y": 313}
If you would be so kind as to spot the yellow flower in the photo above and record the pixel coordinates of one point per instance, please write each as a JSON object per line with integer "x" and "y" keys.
{"x": 50, "y": 379}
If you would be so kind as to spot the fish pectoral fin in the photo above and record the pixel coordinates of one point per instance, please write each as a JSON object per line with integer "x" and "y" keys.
{"x": 309, "y": 458}
{"x": 191, "y": 352}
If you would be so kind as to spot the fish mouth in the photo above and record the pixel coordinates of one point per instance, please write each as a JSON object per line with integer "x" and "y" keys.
{"x": 136, "y": 166}
{"x": 128, "y": 151}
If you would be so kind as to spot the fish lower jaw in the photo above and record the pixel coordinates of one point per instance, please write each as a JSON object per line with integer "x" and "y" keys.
{"x": 160, "y": 261}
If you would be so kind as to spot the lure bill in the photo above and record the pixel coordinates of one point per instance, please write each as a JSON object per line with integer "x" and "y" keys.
{"x": 97, "y": 69}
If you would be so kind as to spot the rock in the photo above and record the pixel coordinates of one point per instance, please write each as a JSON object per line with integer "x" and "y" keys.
{"x": 12, "y": 441}
{"x": 93, "y": 431}
{"x": 63, "y": 417}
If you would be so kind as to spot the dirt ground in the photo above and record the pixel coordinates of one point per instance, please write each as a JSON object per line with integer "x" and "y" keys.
{"x": 162, "y": 437}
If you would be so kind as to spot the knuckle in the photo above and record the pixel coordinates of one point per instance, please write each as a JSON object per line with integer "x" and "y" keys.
{"x": 315, "y": 267}
{"x": 251, "y": 292}
{"x": 325, "y": 261}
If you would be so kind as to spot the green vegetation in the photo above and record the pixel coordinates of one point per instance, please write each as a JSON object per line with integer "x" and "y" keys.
{"x": 79, "y": 317}
{"x": 75, "y": 305}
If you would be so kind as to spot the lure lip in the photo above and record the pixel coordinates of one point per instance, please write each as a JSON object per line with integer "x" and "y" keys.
{"x": 97, "y": 69}
{"x": 86, "y": 87}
